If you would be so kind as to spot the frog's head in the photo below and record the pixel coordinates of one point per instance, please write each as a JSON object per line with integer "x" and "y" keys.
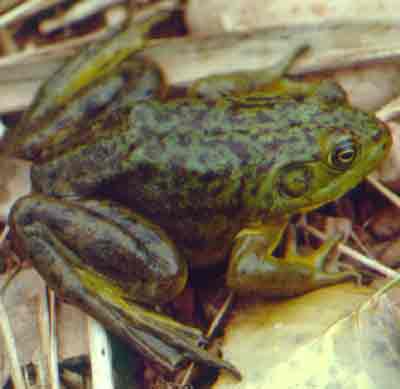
{"x": 345, "y": 145}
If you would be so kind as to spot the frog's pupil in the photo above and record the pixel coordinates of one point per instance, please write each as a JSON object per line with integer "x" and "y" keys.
{"x": 347, "y": 155}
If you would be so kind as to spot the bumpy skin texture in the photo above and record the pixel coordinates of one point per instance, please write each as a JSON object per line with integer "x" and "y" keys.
{"x": 118, "y": 243}
{"x": 203, "y": 169}
{"x": 131, "y": 183}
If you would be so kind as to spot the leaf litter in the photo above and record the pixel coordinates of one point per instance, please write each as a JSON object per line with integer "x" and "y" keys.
{"x": 350, "y": 329}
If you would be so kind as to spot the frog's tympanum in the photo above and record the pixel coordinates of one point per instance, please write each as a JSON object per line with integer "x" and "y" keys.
{"x": 132, "y": 185}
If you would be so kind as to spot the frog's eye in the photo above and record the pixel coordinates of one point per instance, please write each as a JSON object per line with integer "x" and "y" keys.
{"x": 294, "y": 180}
{"x": 344, "y": 154}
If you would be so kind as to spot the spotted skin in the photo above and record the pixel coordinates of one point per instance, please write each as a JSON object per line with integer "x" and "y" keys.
{"x": 202, "y": 169}
{"x": 134, "y": 185}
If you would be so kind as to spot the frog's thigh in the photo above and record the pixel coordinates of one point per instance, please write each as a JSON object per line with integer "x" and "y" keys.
{"x": 253, "y": 268}
{"x": 100, "y": 60}
{"x": 70, "y": 244}
{"x": 104, "y": 240}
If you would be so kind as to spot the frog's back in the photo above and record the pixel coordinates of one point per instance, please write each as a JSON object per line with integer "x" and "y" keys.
{"x": 201, "y": 169}
{"x": 187, "y": 155}
{"x": 194, "y": 154}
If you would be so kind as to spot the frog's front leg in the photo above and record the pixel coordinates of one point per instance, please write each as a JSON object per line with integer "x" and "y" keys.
{"x": 106, "y": 260}
{"x": 254, "y": 269}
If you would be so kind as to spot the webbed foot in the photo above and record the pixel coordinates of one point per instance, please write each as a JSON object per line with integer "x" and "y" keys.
{"x": 254, "y": 269}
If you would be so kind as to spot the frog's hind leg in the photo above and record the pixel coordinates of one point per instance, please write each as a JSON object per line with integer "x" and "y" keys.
{"x": 254, "y": 269}
{"x": 102, "y": 78}
{"x": 107, "y": 260}
{"x": 215, "y": 86}
{"x": 96, "y": 62}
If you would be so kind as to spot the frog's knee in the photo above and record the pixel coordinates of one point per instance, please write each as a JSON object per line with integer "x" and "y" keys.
{"x": 170, "y": 273}
{"x": 22, "y": 210}
{"x": 165, "y": 289}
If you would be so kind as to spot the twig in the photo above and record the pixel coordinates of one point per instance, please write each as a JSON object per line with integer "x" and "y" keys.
{"x": 368, "y": 262}
{"x": 51, "y": 51}
{"x": 8, "y": 339}
{"x": 53, "y": 356}
{"x": 100, "y": 356}
{"x": 77, "y": 12}
{"x": 44, "y": 326}
{"x": 9, "y": 343}
{"x": 385, "y": 191}
{"x": 26, "y": 9}
{"x": 211, "y": 330}
{"x": 220, "y": 315}
{"x": 360, "y": 244}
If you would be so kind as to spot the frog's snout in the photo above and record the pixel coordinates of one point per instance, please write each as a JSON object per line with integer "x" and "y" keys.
{"x": 383, "y": 139}
{"x": 387, "y": 143}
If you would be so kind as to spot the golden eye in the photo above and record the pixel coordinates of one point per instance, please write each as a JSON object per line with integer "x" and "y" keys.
{"x": 344, "y": 154}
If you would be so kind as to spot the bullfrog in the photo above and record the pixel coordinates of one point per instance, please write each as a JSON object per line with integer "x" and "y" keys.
{"x": 135, "y": 184}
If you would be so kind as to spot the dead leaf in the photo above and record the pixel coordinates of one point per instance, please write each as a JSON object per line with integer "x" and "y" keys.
{"x": 22, "y": 302}
{"x": 239, "y": 15}
{"x": 389, "y": 170}
{"x": 14, "y": 182}
{"x": 340, "y": 336}
{"x": 385, "y": 224}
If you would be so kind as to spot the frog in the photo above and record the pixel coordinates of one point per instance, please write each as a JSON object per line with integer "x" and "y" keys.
{"x": 136, "y": 184}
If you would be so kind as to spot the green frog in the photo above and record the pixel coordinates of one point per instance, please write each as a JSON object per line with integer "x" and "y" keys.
{"x": 135, "y": 183}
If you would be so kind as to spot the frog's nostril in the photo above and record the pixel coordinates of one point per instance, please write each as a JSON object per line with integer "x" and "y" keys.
{"x": 381, "y": 132}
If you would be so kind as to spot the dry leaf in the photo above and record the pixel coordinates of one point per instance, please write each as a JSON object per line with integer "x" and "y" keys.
{"x": 389, "y": 170}
{"x": 385, "y": 224}
{"x": 14, "y": 182}
{"x": 235, "y": 15}
{"x": 368, "y": 87}
{"x": 22, "y": 304}
{"x": 334, "y": 337}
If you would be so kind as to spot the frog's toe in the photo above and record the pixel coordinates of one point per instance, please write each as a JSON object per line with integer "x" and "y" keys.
{"x": 324, "y": 279}
{"x": 254, "y": 269}
{"x": 316, "y": 258}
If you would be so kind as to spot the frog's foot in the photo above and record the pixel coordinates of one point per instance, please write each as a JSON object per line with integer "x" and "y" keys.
{"x": 253, "y": 268}
{"x": 100, "y": 257}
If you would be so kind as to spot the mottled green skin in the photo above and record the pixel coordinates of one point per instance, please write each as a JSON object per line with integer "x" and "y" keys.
{"x": 128, "y": 193}
{"x": 132, "y": 184}
{"x": 118, "y": 243}
{"x": 203, "y": 169}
